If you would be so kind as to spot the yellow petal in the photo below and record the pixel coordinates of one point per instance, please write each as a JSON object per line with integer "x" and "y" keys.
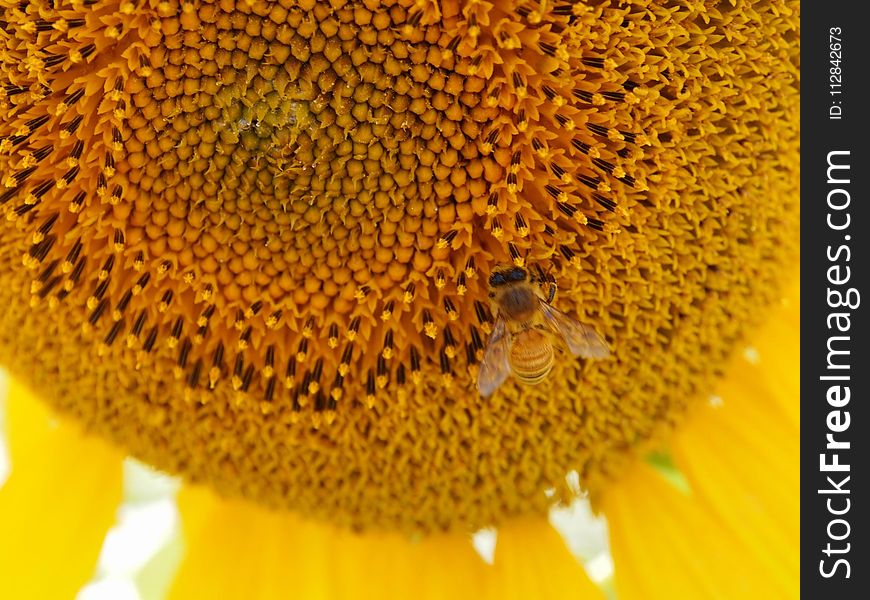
{"x": 374, "y": 566}
{"x": 56, "y": 506}
{"x": 778, "y": 346}
{"x": 532, "y": 561}
{"x": 667, "y": 545}
{"x": 741, "y": 458}
{"x": 735, "y": 533}
{"x": 237, "y": 550}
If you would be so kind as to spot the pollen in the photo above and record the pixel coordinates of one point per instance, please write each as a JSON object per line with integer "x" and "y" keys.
{"x": 250, "y": 241}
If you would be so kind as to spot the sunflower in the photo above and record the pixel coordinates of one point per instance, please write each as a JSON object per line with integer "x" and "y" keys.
{"x": 248, "y": 242}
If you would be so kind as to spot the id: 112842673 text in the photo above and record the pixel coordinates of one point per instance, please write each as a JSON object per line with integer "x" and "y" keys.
{"x": 835, "y": 80}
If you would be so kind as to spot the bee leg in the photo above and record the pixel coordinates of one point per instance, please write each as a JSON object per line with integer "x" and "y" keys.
{"x": 551, "y": 295}
{"x": 542, "y": 278}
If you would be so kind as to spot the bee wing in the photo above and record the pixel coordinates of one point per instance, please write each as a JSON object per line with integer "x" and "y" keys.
{"x": 582, "y": 339}
{"x": 495, "y": 367}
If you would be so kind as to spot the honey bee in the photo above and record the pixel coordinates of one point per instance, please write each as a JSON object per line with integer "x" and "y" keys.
{"x": 529, "y": 331}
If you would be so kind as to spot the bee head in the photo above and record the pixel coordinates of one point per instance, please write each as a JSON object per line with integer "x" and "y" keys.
{"x": 508, "y": 275}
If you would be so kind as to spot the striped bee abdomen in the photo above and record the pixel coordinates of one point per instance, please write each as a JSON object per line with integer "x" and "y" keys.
{"x": 531, "y": 356}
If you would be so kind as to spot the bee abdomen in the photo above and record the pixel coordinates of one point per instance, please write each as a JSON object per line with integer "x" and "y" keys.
{"x": 531, "y": 357}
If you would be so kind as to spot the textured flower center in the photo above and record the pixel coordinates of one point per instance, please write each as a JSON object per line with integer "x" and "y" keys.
{"x": 250, "y": 240}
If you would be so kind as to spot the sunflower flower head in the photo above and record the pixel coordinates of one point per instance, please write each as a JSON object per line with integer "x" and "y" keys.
{"x": 250, "y": 241}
